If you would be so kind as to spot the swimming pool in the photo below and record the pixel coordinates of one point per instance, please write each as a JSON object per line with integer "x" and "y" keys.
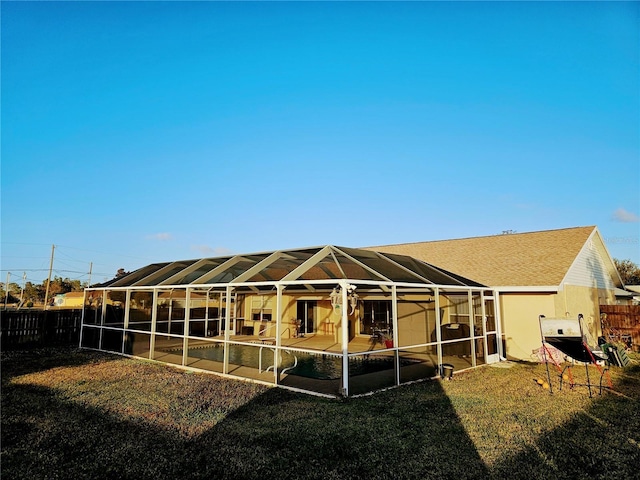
{"x": 319, "y": 366}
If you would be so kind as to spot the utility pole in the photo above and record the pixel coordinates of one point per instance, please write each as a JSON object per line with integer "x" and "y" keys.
{"x": 46, "y": 294}
{"x": 6, "y": 289}
{"x": 24, "y": 280}
{"x": 90, "y": 269}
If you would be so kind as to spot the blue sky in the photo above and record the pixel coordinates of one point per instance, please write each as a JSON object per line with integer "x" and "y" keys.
{"x": 135, "y": 133}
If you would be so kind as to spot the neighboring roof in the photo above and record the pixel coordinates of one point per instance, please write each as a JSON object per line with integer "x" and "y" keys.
{"x": 514, "y": 259}
{"x": 74, "y": 295}
{"x": 303, "y": 266}
{"x": 621, "y": 292}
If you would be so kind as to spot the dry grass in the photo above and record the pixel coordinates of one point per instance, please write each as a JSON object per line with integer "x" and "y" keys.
{"x": 79, "y": 414}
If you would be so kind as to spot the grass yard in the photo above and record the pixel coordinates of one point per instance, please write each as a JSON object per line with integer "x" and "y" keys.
{"x": 71, "y": 414}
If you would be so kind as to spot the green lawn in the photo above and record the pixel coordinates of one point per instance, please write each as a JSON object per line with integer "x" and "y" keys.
{"x": 70, "y": 414}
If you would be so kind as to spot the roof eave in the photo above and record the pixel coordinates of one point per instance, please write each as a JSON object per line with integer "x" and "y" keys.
{"x": 527, "y": 289}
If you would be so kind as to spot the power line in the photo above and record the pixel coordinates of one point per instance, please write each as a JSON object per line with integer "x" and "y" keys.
{"x": 70, "y": 261}
{"x": 17, "y": 256}
{"x": 107, "y": 253}
{"x": 22, "y": 243}
{"x": 24, "y": 269}
{"x": 77, "y": 274}
{"x": 79, "y": 249}
{"x": 69, "y": 257}
{"x": 86, "y": 272}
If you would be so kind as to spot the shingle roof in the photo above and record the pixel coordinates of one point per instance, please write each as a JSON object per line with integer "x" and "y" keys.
{"x": 519, "y": 259}
{"x": 74, "y": 295}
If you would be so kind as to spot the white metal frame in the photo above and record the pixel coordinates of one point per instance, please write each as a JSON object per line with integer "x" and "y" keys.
{"x": 387, "y": 287}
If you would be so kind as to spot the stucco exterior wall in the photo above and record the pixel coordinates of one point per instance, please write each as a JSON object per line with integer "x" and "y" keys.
{"x": 416, "y": 322}
{"x": 573, "y": 300}
{"x": 326, "y": 321}
{"x": 74, "y": 302}
{"x": 520, "y": 313}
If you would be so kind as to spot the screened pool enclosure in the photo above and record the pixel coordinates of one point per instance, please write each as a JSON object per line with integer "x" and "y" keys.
{"x": 329, "y": 320}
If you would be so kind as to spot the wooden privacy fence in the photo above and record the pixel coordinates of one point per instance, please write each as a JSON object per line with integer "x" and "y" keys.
{"x": 622, "y": 323}
{"x": 39, "y": 328}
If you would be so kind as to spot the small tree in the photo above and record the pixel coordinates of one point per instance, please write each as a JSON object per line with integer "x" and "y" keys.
{"x": 63, "y": 285}
{"x": 121, "y": 273}
{"x": 12, "y": 297}
{"x": 629, "y": 271}
{"x": 34, "y": 292}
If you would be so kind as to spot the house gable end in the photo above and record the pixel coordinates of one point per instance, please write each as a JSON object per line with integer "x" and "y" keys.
{"x": 593, "y": 266}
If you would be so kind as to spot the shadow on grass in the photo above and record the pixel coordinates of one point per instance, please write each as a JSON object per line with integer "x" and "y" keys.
{"x": 23, "y": 362}
{"x": 599, "y": 442}
{"x": 412, "y": 433}
{"x": 404, "y": 433}
{"x": 409, "y": 432}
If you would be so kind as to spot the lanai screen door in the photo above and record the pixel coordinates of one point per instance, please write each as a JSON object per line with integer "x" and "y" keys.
{"x": 490, "y": 331}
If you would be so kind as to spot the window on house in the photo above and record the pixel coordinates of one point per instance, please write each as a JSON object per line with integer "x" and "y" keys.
{"x": 261, "y": 315}
{"x": 377, "y": 315}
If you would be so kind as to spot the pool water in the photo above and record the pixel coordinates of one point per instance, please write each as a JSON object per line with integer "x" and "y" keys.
{"x": 318, "y": 366}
